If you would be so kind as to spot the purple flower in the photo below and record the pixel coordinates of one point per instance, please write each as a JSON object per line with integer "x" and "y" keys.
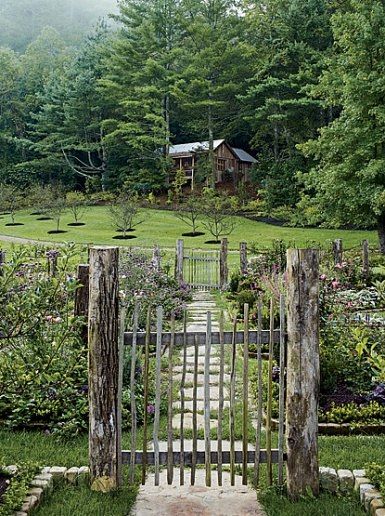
{"x": 150, "y": 409}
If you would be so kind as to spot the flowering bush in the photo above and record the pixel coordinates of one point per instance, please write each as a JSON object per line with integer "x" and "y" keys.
{"x": 142, "y": 282}
{"x": 43, "y": 365}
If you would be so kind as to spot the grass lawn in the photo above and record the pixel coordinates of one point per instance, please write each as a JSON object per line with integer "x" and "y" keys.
{"x": 345, "y": 452}
{"x": 164, "y": 228}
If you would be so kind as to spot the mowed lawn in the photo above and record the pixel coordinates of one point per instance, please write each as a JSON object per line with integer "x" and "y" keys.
{"x": 163, "y": 228}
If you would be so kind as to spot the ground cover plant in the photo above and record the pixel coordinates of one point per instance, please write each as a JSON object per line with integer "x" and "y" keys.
{"x": 16, "y": 485}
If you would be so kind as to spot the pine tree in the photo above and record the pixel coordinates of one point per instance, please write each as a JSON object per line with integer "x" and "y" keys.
{"x": 143, "y": 69}
{"x": 349, "y": 181}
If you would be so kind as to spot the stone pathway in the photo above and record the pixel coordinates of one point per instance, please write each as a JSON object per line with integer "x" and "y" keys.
{"x": 187, "y": 500}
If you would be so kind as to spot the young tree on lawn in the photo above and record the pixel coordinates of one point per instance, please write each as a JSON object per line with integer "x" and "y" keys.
{"x": 11, "y": 200}
{"x": 77, "y": 204}
{"x": 219, "y": 215}
{"x": 349, "y": 180}
{"x": 56, "y": 208}
{"x": 125, "y": 213}
{"x": 190, "y": 212}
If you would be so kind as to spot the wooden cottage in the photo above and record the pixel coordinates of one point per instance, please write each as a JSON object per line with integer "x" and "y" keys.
{"x": 231, "y": 163}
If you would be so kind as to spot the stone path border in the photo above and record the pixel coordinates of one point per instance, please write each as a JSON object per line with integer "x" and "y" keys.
{"x": 43, "y": 483}
{"x": 343, "y": 480}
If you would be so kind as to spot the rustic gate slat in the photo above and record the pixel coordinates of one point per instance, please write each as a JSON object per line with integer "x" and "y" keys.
{"x": 132, "y": 391}
{"x": 159, "y": 325}
{"x": 145, "y": 394}
{"x": 195, "y": 428}
{"x": 182, "y": 399}
{"x": 259, "y": 402}
{"x": 170, "y": 465}
{"x": 270, "y": 397}
{"x": 232, "y": 406}
{"x": 281, "y": 387}
{"x": 221, "y": 396}
{"x": 245, "y": 412}
{"x": 207, "y": 400}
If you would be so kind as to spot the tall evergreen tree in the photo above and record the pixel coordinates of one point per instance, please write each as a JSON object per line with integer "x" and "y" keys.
{"x": 215, "y": 71}
{"x": 289, "y": 40}
{"x": 349, "y": 180}
{"x": 142, "y": 70}
{"x": 67, "y": 132}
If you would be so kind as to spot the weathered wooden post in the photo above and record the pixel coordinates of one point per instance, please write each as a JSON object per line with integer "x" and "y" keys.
{"x": 2, "y": 261}
{"x": 303, "y": 375}
{"x": 82, "y": 297}
{"x": 103, "y": 370}
{"x": 365, "y": 260}
{"x": 156, "y": 258}
{"x": 337, "y": 250}
{"x": 223, "y": 267}
{"x": 243, "y": 257}
{"x": 52, "y": 257}
{"x": 179, "y": 261}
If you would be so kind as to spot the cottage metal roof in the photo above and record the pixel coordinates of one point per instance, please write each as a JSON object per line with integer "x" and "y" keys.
{"x": 244, "y": 156}
{"x": 182, "y": 148}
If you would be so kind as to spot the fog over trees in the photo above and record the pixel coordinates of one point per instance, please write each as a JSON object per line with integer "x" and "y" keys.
{"x": 22, "y": 20}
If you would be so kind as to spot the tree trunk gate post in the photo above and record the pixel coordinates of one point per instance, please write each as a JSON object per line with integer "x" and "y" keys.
{"x": 82, "y": 297}
{"x": 223, "y": 267}
{"x": 303, "y": 375}
{"x": 337, "y": 250}
{"x": 243, "y": 257}
{"x": 365, "y": 260}
{"x": 103, "y": 370}
{"x": 179, "y": 261}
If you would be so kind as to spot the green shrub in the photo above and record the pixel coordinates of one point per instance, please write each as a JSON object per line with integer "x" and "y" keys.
{"x": 376, "y": 473}
{"x": 371, "y": 413}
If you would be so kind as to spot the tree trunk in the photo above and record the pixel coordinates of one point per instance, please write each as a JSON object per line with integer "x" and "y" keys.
{"x": 381, "y": 232}
{"x": 103, "y": 370}
{"x": 211, "y": 149}
{"x": 303, "y": 374}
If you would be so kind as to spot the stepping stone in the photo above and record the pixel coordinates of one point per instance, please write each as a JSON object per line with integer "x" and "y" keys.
{"x": 188, "y": 405}
{"x": 188, "y": 421}
{"x": 214, "y": 378}
{"x": 214, "y": 393}
{"x": 214, "y": 361}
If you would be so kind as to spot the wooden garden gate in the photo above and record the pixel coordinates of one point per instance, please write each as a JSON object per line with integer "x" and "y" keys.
{"x": 106, "y": 343}
{"x": 211, "y": 361}
{"x": 203, "y": 270}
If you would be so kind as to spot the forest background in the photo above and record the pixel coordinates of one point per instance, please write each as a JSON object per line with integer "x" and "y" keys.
{"x": 92, "y": 101}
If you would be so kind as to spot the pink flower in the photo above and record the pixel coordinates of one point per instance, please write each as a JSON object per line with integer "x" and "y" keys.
{"x": 322, "y": 277}
{"x": 349, "y": 304}
{"x": 338, "y": 266}
{"x": 48, "y": 317}
{"x": 335, "y": 284}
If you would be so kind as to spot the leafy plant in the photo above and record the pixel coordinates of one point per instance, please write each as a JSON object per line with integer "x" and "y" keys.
{"x": 376, "y": 473}
{"x": 13, "y": 497}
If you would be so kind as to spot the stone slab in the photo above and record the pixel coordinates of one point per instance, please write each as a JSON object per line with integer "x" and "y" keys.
{"x": 188, "y": 405}
{"x": 188, "y": 421}
{"x": 190, "y": 500}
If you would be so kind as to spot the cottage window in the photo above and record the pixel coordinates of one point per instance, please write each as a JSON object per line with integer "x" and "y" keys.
{"x": 221, "y": 165}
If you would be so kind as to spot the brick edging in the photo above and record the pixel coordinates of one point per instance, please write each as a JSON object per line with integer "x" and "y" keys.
{"x": 345, "y": 480}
